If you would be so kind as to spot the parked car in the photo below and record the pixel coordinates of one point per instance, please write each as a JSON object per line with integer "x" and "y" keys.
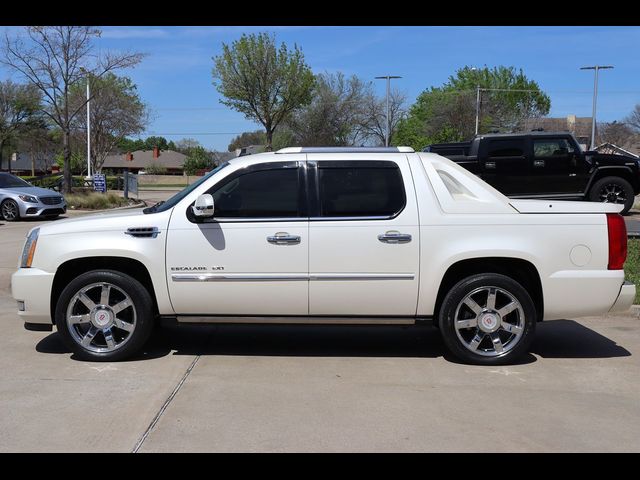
{"x": 19, "y": 199}
{"x": 547, "y": 165}
{"x": 328, "y": 236}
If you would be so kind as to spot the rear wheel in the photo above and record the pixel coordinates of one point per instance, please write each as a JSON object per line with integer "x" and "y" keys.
{"x": 613, "y": 190}
{"x": 9, "y": 210}
{"x": 104, "y": 316}
{"x": 487, "y": 319}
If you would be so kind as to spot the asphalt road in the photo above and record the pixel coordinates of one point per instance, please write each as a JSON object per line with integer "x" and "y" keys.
{"x": 326, "y": 389}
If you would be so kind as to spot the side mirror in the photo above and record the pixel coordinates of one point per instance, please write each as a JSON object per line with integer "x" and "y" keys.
{"x": 203, "y": 207}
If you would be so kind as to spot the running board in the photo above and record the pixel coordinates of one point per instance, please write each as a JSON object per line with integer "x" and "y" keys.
{"x": 299, "y": 320}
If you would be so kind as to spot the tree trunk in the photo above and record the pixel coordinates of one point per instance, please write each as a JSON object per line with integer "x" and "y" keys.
{"x": 1, "y": 147}
{"x": 66, "y": 151}
{"x": 268, "y": 147}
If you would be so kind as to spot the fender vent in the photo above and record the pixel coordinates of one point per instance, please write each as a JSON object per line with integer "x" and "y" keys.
{"x": 143, "y": 232}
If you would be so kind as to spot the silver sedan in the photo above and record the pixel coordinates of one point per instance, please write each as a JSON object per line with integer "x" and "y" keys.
{"x": 19, "y": 199}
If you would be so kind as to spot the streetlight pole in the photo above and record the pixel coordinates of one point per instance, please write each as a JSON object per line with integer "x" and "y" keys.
{"x": 596, "y": 68}
{"x": 88, "y": 130}
{"x": 477, "y": 107}
{"x": 386, "y": 136}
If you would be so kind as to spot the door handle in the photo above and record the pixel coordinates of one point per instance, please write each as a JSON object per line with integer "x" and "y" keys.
{"x": 538, "y": 163}
{"x": 394, "y": 237}
{"x": 283, "y": 238}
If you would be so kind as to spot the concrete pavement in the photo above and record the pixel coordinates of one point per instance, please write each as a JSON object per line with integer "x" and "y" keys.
{"x": 307, "y": 388}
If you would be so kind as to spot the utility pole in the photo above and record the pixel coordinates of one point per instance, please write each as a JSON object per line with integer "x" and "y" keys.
{"x": 388, "y": 127}
{"x": 595, "y": 99}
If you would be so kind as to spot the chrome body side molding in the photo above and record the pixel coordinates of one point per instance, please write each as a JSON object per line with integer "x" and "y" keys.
{"x": 287, "y": 277}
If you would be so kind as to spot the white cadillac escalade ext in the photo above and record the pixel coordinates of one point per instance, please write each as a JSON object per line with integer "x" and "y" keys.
{"x": 328, "y": 235}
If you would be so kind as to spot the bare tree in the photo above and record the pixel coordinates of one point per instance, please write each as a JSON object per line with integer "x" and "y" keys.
{"x": 633, "y": 120}
{"x": 116, "y": 112}
{"x": 374, "y": 121}
{"x": 54, "y": 59}
{"x": 19, "y": 105}
{"x": 615, "y": 132}
{"x": 335, "y": 115}
{"x": 40, "y": 144}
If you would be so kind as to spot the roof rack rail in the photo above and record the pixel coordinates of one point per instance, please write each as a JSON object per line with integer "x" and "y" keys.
{"x": 346, "y": 150}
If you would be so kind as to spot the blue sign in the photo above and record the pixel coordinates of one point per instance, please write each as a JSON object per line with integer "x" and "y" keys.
{"x": 100, "y": 183}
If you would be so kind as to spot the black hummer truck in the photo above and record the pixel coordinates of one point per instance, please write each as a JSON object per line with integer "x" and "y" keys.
{"x": 546, "y": 165}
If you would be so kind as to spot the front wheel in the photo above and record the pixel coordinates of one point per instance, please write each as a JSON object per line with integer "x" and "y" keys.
{"x": 487, "y": 319}
{"x": 104, "y": 316}
{"x": 10, "y": 211}
{"x": 613, "y": 190}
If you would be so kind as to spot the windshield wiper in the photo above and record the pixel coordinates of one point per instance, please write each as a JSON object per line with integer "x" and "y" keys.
{"x": 153, "y": 208}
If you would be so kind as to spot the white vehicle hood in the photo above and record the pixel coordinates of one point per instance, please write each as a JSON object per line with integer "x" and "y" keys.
{"x": 107, "y": 221}
{"x": 561, "y": 206}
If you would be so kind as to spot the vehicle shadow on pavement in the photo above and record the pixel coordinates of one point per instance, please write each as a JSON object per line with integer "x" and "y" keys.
{"x": 557, "y": 339}
{"x": 570, "y": 339}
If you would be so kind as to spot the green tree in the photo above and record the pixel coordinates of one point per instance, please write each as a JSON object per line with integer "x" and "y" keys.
{"x": 197, "y": 159}
{"x": 116, "y": 111}
{"x": 129, "y": 145}
{"x": 262, "y": 81}
{"x": 19, "y": 112}
{"x": 246, "y": 139}
{"x": 159, "y": 142}
{"x": 448, "y": 113}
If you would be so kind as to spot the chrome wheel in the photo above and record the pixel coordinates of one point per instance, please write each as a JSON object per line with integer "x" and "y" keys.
{"x": 10, "y": 210}
{"x": 101, "y": 317}
{"x": 613, "y": 193}
{"x": 489, "y": 321}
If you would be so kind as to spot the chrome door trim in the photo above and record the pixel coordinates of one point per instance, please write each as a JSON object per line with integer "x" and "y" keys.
{"x": 233, "y": 277}
{"x": 361, "y": 276}
{"x": 271, "y": 277}
{"x": 308, "y": 320}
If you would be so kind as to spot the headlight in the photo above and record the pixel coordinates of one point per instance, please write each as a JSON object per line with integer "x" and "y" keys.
{"x": 28, "y": 198}
{"x": 29, "y": 248}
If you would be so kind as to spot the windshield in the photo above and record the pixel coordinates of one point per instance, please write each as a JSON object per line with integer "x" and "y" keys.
{"x": 164, "y": 206}
{"x": 10, "y": 181}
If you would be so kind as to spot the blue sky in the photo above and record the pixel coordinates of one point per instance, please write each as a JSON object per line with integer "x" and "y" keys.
{"x": 175, "y": 77}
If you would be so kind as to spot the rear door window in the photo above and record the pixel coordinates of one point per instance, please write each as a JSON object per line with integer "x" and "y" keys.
{"x": 360, "y": 189}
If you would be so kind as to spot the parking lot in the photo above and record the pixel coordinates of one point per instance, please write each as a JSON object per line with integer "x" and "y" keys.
{"x": 286, "y": 388}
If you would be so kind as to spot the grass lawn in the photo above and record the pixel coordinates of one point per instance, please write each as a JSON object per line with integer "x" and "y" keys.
{"x": 632, "y": 265}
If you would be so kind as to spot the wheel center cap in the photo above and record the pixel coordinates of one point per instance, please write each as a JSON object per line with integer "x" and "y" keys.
{"x": 489, "y": 322}
{"x": 102, "y": 317}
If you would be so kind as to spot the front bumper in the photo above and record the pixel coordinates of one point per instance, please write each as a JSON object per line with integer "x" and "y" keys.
{"x": 33, "y": 287}
{"x": 625, "y": 298}
{"x": 29, "y": 209}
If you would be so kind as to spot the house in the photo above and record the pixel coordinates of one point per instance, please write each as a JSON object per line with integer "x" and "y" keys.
{"x": 170, "y": 160}
{"x": 579, "y": 126}
{"x": 26, "y": 164}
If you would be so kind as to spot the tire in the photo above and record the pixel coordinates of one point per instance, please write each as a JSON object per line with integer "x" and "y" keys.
{"x": 481, "y": 334}
{"x": 9, "y": 210}
{"x": 104, "y": 328}
{"x": 613, "y": 190}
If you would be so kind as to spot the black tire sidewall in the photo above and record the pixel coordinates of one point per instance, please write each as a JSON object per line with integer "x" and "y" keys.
{"x": 2, "y": 210}
{"x": 464, "y": 287}
{"x": 594, "y": 194}
{"x": 143, "y": 306}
